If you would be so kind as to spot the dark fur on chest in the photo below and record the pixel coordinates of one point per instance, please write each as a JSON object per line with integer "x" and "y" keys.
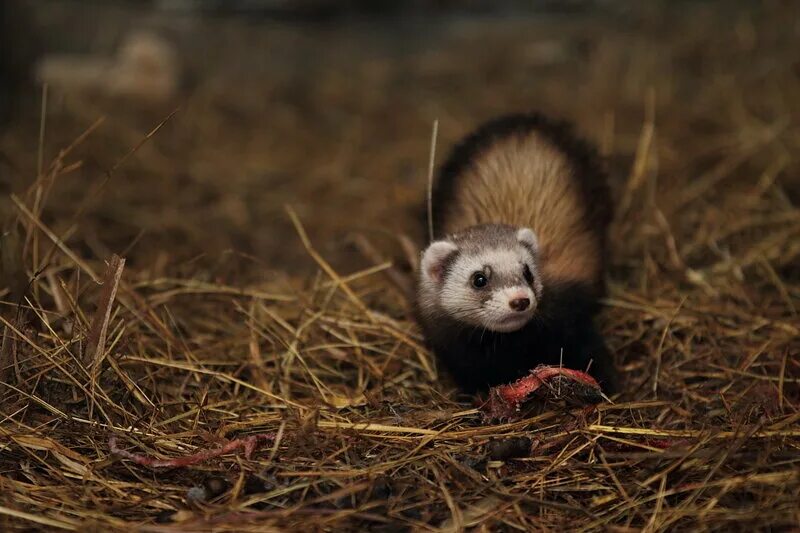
{"x": 478, "y": 359}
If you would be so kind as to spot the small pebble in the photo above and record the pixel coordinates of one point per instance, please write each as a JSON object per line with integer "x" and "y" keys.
{"x": 214, "y": 486}
{"x": 477, "y": 464}
{"x": 515, "y": 447}
{"x": 197, "y": 494}
{"x": 258, "y": 483}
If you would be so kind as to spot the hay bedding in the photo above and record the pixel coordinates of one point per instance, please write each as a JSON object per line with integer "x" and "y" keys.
{"x": 310, "y": 402}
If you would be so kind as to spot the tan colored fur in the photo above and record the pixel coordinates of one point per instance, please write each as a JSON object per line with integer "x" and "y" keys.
{"x": 524, "y": 180}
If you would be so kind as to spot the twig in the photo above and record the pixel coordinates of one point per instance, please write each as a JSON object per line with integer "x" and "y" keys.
{"x": 248, "y": 444}
{"x": 431, "y": 165}
{"x": 99, "y": 328}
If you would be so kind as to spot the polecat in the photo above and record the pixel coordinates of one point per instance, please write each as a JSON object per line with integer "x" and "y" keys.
{"x": 522, "y": 208}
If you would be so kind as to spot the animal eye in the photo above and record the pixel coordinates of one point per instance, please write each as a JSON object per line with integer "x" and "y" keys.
{"x": 479, "y": 280}
{"x": 526, "y": 273}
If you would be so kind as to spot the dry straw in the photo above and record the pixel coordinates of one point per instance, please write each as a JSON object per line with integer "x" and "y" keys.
{"x": 179, "y": 402}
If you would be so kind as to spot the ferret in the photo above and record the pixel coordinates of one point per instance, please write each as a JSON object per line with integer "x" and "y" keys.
{"x": 522, "y": 208}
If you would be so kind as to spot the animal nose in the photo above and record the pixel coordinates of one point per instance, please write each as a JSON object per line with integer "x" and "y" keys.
{"x": 519, "y": 304}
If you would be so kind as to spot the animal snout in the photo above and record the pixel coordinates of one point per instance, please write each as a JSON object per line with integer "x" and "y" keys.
{"x": 519, "y": 304}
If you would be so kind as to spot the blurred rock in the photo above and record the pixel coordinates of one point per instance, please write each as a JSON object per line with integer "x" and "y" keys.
{"x": 146, "y": 68}
{"x": 197, "y": 494}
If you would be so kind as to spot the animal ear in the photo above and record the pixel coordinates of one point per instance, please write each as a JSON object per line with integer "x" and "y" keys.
{"x": 434, "y": 257}
{"x": 527, "y": 237}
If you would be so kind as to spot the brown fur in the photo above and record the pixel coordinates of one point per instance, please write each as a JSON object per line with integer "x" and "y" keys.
{"x": 524, "y": 180}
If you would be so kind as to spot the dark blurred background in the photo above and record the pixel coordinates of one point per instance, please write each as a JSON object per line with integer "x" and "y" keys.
{"x": 327, "y": 106}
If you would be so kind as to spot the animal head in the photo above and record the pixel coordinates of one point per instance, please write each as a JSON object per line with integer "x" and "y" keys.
{"x": 486, "y": 276}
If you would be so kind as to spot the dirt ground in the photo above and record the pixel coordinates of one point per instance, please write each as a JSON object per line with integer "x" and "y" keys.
{"x": 226, "y": 324}
{"x": 334, "y": 119}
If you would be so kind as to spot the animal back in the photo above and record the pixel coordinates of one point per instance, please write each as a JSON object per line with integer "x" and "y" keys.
{"x": 525, "y": 180}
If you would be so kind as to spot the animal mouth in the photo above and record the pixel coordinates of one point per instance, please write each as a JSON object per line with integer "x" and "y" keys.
{"x": 512, "y": 322}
